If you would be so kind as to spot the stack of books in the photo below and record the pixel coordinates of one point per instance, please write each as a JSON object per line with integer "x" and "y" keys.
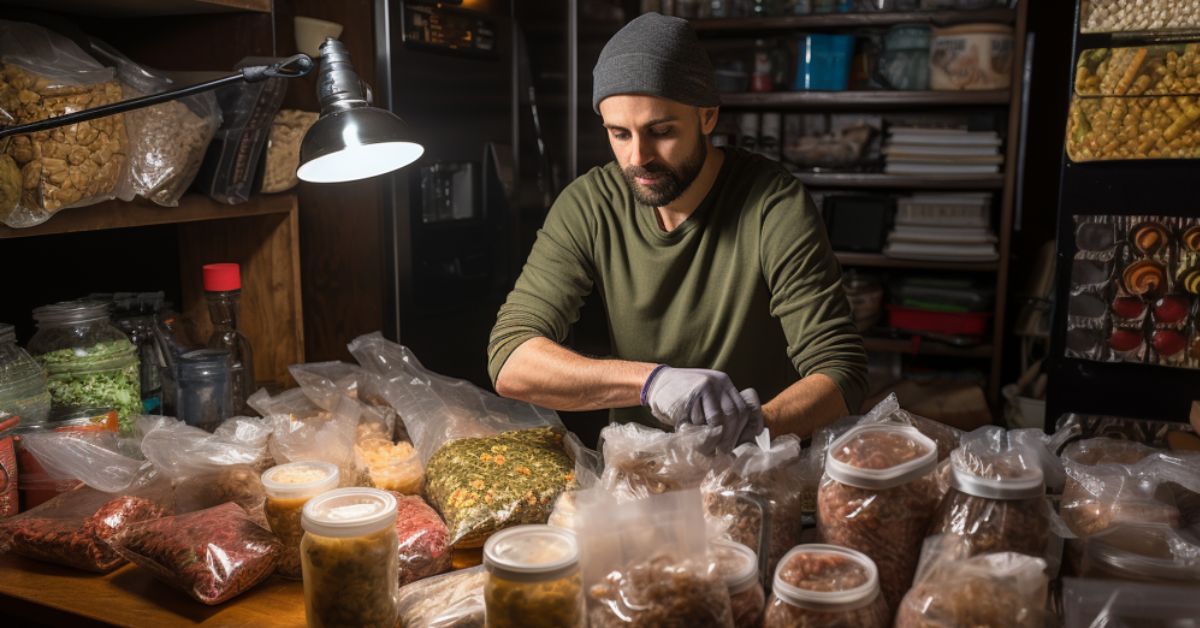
{"x": 943, "y": 227}
{"x": 927, "y": 151}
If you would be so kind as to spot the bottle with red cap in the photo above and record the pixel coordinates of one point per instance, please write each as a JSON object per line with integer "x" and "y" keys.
{"x": 223, "y": 289}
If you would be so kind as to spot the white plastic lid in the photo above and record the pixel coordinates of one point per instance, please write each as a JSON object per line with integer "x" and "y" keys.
{"x": 349, "y": 512}
{"x": 846, "y": 599}
{"x": 300, "y": 479}
{"x": 1028, "y": 485}
{"x": 531, "y": 552}
{"x": 886, "y": 477}
{"x": 737, "y": 564}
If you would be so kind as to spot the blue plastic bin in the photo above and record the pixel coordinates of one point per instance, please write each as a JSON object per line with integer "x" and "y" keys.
{"x": 823, "y": 62}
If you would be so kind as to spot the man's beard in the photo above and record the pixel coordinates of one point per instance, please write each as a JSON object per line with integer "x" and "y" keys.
{"x": 669, "y": 183}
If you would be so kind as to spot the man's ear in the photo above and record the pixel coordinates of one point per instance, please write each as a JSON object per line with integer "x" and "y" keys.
{"x": 708, "y": 119}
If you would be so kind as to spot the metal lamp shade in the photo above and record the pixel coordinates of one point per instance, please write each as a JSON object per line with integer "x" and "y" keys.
{"x": 355, "y": 143}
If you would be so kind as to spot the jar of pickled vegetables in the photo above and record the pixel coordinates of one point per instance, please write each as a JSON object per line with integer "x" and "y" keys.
{"x": 534, "y": 579}
{"x": 288, "y": 488}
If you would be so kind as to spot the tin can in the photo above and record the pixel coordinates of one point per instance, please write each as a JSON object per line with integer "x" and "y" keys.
{"x": 35, "y": 486}
{"x": 8, "y": 466}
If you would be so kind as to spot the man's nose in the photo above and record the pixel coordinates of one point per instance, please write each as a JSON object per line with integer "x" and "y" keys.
{"x": 640, "y": 151}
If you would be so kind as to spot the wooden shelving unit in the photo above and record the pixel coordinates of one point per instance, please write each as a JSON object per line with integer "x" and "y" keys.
{"x": 863, "y": 99}
{"x": 142, "y": 8}
{"x": 750, "y": 25}
{"x": 879, "y": 260}
{"x": 874, "y": 180}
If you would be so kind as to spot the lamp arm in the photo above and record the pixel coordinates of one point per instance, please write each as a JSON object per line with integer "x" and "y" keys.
{"x": 292, "y": 67}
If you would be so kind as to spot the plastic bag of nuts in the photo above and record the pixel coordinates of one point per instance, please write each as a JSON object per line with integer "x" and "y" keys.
{"x": 826, "y": 586}
{"x": 283, "y": 149}
{"x": 1001, "y": 589}
{"x": 45, "y": 75}
{"x": 877, "y": 496}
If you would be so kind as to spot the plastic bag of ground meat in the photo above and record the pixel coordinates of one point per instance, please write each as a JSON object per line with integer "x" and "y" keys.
{"x": 73, "y": 528}
{"x": 212, "y": 555}
{"x": 453, "y": 600}
{"x": 764, "y": 476}
{"x": 640, "y": 461}
{"x": 646, "y": 563}
{"x": 878, "y": 496}
{"x": 424, "y": 548}
{"x": 1000, "y": 589}
{"x": 820, "y": 586}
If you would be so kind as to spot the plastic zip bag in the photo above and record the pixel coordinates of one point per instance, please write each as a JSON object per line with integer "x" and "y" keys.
{"x": 640, "y": 461}
{"x": 343, "y": 388}
{"x": 453, "y": 600}
{"x": 100, "y": 460}
{"x": 209, "y": 469}
{"x": 424, "y": 548}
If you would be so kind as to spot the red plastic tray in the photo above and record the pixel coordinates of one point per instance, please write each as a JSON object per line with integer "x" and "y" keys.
{"x": 949, "y": 323}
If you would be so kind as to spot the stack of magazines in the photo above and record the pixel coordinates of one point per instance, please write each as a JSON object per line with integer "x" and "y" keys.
{"x": 943, "y": 227}
{"x": 928, "y": 151}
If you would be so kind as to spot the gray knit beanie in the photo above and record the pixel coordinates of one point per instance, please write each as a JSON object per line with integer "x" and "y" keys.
{"x": 659, "y": 56}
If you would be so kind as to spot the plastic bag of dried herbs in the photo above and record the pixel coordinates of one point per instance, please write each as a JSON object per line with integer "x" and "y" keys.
{"x": 640, "y": 461}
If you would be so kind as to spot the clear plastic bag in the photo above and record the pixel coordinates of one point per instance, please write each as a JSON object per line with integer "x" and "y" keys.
{"x": 588, "y": 467}
{"x": 212, "y": 555}
{"x": 45, "y": 75}
{"x": 646, "y": 564}
{"x": 453, "y": 600}
{"x": 167, "y": 141}
{"x": 640, "y": 461}
{"x": 348, "y": 389}
{"x": 101, "y": 460}
{"x": 73, "y": 528}
{"x": 316, "y": 438}
{"x": 1146, "y": 552}
{"x": 283, "y": 149}
{"x": 424, "y": 548}
{"x": 763, "y": 476}
{"x": 209, "y": 469}
{"x": 1000, "y": 589}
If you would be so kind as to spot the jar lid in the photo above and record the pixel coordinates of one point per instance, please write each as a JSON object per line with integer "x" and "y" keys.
{"x": 737, "y": 564}
{"x": 1028, "y": 484}
{"x": 79, "y": 311}
{"x": 349, "y": 512}
{"x": 300, "y": 479}
{"x": 531, "y": 552}
{"x": 903, "y": 466}
{"x": 840, "y": 563}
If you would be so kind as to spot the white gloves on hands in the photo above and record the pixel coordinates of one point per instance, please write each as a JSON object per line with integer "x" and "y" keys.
{"x": 704, "y": 397}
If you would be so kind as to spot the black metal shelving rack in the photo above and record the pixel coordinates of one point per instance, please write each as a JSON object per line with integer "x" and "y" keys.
{"x": 1162, "y": 187}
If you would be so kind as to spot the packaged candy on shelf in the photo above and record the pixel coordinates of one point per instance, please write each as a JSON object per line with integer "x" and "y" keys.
{"x": 1122, "y": 16}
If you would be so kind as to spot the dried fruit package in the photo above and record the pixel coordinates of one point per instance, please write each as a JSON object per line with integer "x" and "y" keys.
{"x": 640, "y": 461}
{"x": 209, "y": 469}
{"x": 73, "y": 528}
{"x": 1000, "y": 589}
{"x": 424, "y": 548}
{"x": 453, "y": 600}
{"x": 878, "y": 496}
{"x": 212, "y": 555}
{"x": 646, "y": 563}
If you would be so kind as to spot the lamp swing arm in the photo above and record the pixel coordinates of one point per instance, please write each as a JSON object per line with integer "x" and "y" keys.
{"x": 291, "y": 67}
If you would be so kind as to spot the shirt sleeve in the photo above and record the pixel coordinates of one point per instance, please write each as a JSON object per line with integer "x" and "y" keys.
{"x": 805, "y": 282}
{"x": 557, "y": 276}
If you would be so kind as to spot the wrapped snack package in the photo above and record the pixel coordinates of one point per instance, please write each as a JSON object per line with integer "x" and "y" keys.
{"x": 212, "y": 555}
{"x": 45, "y": 75}
{"x": 73, "y": 529}
{"x": 820, "y": 586}
{"x": 1001, "y": 589}
{"x": 738, "y": 566}
{"x": 490, "y": 463}
{"x": 424, "y": 548}
{"x": 288, "y": 487}
{"x": 646, "y": 563}
{"x": 763, "y": 476}
{"x": 877, "y": 496}
{"x": 640, "y": 461}
{"x": 209, "y": 469}
{"x": 453, "y": 600}
{"x": 1145, "y": 552}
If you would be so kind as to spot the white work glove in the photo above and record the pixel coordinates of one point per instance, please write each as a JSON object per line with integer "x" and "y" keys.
{"x": 754, "y": 426}
{"x": 700, "y": 397}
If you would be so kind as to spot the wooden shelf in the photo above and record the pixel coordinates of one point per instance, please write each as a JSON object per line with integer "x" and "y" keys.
{"x": 141, "y": 213}
{"x": 920, "y": 346}
{"x": 864, "y": 99}
{"x": 130, "y": 8}
{"x": 840, "y": 20}
{"x": 879, "y": 260}
{"x": 876, "y": 180}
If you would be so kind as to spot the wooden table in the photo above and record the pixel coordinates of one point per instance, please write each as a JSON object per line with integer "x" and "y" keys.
{"x": 34, "y": 593}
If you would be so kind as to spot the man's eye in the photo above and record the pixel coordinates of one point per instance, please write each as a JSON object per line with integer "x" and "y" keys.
{"x": 663, "y": 132}
{"x": 620, "y": 135}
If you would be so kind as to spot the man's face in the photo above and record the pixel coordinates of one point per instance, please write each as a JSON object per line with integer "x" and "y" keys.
{"x": 659, "y": 144}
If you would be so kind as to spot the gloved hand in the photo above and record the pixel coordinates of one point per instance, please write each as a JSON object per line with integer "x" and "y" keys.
{"x": 754, "y": 426}
{"x": 700, "y": 397}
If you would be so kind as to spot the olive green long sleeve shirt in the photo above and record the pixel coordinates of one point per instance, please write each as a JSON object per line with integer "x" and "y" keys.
{"x": 748, "y": 284}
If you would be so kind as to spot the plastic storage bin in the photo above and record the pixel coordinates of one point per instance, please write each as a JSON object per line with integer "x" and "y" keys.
{"x": 823, "y": 62}
{"x": 951, "y": 324}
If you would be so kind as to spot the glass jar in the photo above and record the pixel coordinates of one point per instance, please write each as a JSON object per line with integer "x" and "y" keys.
{"x": 349, "y": 558}
{"x": 140, "y": 329}
{"x": 204, "y": 388}
{"x": 288, "y": 488}
{"x": 534, "y": 578}
{"x": 23, "y": 389}
{"x": 738, "y": 566}
{"x": 826, "y": 585}
{"x": 904, "y": 63}
{"x": 88, "y": 361}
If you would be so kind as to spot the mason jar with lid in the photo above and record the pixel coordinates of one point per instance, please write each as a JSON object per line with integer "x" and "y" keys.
{"x": 826, "y": 585}
{"x": 23, "y": 389}
{"x": 88, "y": 361}
{"x": 534, "y": 578}
{"x": 738, "y": 566}
{"x": 349, "y": 558}
{"x": 288, "y": 488}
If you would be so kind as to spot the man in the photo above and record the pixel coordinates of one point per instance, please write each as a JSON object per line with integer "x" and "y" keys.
{"x": 713, "y": 265}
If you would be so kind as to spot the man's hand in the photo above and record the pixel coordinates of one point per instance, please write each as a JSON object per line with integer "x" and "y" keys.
{"x": 700, "y": 397}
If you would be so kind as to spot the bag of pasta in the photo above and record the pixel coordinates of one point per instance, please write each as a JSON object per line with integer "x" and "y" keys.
{"x": 640, "y": 461}
{"x": 45, "y": 75}
{"x": 646, "y": 563}
{"x": 490, "y": 463}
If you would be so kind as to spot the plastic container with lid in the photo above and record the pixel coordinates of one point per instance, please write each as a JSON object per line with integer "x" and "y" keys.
{"x": 971, "y": 56}
{"x": 88, "y": 361}
{"x": 23, "y": 389}
{"x": 826, "y": 585}
{"x": 534, "y": 578}
{"x": 204, "y": 387}
{"x": 349, "y": 558}
{"x": 904, "y": 63}
{"x": 288, "y": 488}
{"x": 738, "y": 566}
{"x": 1003, "y": 512}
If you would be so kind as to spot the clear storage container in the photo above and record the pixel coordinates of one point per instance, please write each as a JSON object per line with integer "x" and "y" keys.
{"x": 23, "y": 389}
{"x": 288, "y": 488}
{"x": 348, "y": 556}
{"x": 204, "y": 394}
{"x": 534, "y": 578}
{"x": 738, "y": 566}
{"x": 904, "y": 63}
{"x": 825, "y": 585}
{"x": 88, "y": 361}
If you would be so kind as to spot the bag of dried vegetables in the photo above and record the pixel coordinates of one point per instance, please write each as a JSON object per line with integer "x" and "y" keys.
{"x": 209, "y": 469}
{"x": 490, "y": 463}
{"x": 640, "y": 461}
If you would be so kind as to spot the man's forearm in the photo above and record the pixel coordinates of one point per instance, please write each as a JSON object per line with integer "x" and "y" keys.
{"x": 805, "y": 407}
{"x": 545, "y": 373}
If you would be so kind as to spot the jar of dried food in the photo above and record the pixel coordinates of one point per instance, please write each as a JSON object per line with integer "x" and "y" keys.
{"x": 738, "y": 566}
{"x": 825, "y": 585}
{"x": 288, "y": 488}
{"x": 390, "y": 466}
{"x": 1003, "y": 510}
{"x": 348, "y": 556}
{"x": 88, "y": 361}
{"x": 878, "y": 496}
{"x": 534, "y": 578}
{"x": 23, "y": 389}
